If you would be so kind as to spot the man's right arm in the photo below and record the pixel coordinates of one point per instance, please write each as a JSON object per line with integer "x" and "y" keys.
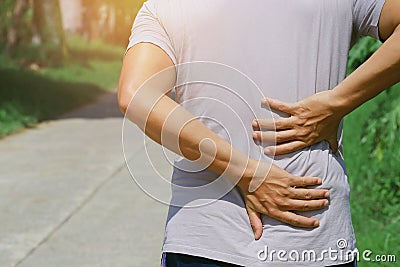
{"x": 166, "y": 122}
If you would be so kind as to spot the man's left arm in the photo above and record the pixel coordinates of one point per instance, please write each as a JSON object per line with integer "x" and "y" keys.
{"x": 317, "y": 118}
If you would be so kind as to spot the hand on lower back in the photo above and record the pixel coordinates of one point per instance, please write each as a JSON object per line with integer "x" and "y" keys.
{"x": 312, "y": 120}
{"x": 279, "y": 194}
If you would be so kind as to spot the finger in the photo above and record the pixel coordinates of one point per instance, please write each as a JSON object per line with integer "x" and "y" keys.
{"x": 255, "y": 124}
{"x": 304, "y": 181}
{"x": 285, "y": 148}
{"x": 306, "y": 205}
{"x": 280, "y": 105}
{"x": 275, "y": 137}
{"x": 302, "y": 193}
{"x": 274, "y": 124}
{"x": 295, "y": 219}
{"x": 255, "y": 222}
{"x": 268, "y": 138}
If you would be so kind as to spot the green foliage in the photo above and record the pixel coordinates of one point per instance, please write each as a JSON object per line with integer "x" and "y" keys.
{"x": 28, "y": 97}
{"x": 379, "y": 169}
{"x": 125, "y": 11}
{"x": 6, "y": 9}
{"x": 371, "y": 138}
{"x": 14, "y": 116}
{"x": 96, "y": 63}
{"x": 364, "y": 48}
{"x": 48, "y": 22}
{"x": 381, "y": 137}
{"x": 374, "y": 199}
{"x": 25, "y": 28}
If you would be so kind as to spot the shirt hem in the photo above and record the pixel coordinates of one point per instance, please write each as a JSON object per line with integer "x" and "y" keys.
{"x": 239, "y": 260}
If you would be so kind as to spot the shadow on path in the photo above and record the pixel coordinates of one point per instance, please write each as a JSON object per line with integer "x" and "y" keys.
{"x": 105, "y": 106}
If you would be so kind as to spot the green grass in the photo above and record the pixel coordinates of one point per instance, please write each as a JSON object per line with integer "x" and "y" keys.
{"x": 375, "y": 230}
{"x": 96, "y": 63}
{"x": 371, "y": 138}
{"x": 28, "y": 97}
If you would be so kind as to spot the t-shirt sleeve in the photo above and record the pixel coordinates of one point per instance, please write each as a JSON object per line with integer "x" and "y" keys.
{"x": 147, "y": 28}
{"x": 366, "y": 15}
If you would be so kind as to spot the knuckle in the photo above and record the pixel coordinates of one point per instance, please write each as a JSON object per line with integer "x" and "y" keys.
{"x": 301, "y": 110}
{"x": 278, "y": 138}
{"x": 279, "y": 202}
{"x": 300, "y": 121}
{"x": 294, "y": 193}
{"x": 286, "y": 193}
{"x": 285, "y": 205}
{"x": 287, "y": 181}
{"x": 303, "y": 132}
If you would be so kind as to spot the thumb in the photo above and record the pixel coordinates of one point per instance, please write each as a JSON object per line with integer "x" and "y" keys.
{"x": 276, "y": 104}
{"x": 255, "y": 222}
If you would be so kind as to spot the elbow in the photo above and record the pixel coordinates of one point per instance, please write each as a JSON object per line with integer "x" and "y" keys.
{"x": 130, "y": 105}
{"x": 124, "y": 99}
{"x": 123, "y": 107}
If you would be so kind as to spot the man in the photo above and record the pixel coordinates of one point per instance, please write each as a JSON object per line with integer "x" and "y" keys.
{"x": 289, "y": 59}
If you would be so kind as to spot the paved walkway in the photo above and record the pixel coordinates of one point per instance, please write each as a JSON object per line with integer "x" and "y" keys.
{"x": 67, "y": 199}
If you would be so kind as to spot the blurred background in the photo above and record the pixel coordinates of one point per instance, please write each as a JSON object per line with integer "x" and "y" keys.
{"x": 67, "y": 50}
{"x": 59, "y": 56}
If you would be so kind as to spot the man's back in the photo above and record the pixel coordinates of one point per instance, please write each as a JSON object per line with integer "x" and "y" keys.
{"x": 290, "y": 50}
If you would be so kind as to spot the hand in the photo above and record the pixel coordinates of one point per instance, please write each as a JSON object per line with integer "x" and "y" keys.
{"x": 312, "y": 120}
{"x": 279, "y": 194}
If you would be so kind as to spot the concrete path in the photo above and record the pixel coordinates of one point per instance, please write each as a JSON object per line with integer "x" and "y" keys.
{"x": 67, "y": 198}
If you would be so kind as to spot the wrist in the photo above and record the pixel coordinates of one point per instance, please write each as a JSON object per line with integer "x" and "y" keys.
{"x": 248, "y": 174}
{"x": 340, "y": 103}
{"x": 255, "y": 171}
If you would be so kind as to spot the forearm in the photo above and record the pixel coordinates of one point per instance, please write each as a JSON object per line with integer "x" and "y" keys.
{"x": 172, "y": 126}
{"x": 378, "y": 73}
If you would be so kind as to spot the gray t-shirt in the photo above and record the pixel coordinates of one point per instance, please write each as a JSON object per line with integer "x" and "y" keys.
{"x": 289, "y": 50}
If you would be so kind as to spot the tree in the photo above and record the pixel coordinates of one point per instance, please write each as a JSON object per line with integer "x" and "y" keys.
{"x": 91, "y": 18}
{"x": 120, "y": 15}
{"x": 12, "y": 36}
{"x": 109, "y": 19}
{"x": 48, "y": 22}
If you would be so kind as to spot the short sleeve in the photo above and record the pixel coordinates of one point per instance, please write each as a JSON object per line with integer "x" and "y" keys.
{"x": 147, "y": 28}
{"x": 366, "y": 15}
